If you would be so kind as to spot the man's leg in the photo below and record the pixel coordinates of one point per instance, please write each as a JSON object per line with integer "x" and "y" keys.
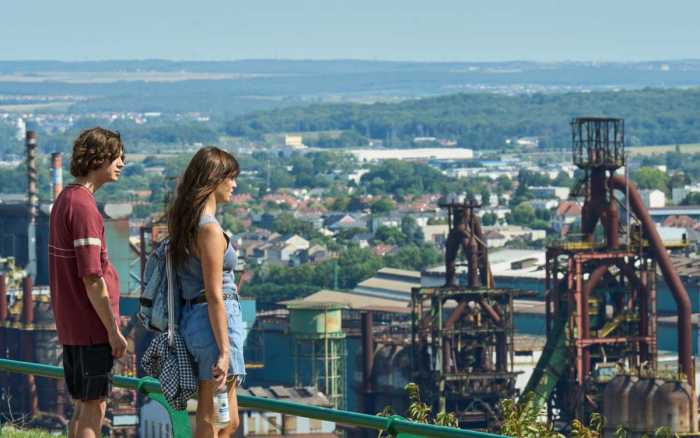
{"x": 73, "y": 424}
{"x": 96, "y": 365}
{"x": 92, "y": 414}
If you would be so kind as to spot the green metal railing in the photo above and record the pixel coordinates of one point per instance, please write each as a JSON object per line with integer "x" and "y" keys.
{"x": 394, "y": 425}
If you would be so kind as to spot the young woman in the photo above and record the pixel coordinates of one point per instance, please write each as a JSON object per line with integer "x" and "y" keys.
{"x": 204, "y": 258}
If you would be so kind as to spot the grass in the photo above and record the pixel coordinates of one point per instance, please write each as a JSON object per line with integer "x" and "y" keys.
{"x": 11, "y": 432}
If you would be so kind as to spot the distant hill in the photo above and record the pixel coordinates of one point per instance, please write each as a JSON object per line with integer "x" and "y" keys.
{"x": 238, "y": 87}
{"x": 653, "y": 116}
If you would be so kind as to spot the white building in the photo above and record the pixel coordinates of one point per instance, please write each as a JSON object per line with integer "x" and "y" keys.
{"x": 653, "y": 198}
{"x": 364, "y": 155}
{"x": 356, "y": 176}
{"x": 282, "y": 249}
{"x": 294, "y": 141}
{"x": 435, "y": 233}
{"x": 500, "y": 212}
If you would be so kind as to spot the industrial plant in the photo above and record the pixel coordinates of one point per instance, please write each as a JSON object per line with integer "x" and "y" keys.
{"x": 461, "y": 331}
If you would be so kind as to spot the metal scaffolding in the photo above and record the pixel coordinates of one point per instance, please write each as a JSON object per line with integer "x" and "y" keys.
{"x": 462, "y": 334}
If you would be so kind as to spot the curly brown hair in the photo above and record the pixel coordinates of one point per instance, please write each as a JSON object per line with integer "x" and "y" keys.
{"x": 93, "y": 148}
{"x": 208, "y": 168}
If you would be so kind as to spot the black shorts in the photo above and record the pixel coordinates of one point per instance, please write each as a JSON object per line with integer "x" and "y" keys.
{"x": 88, "y": 371}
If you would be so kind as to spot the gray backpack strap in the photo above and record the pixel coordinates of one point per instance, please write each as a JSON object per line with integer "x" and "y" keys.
{"x": 171, "y": 299}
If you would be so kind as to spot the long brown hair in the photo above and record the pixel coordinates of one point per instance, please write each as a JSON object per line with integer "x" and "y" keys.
{"x": 209, "y": 167}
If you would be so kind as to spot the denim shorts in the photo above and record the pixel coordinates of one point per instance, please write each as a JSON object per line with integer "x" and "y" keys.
{"x": 199, "y": 338}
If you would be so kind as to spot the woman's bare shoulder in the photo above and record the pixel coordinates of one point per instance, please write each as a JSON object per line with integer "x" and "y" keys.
{"x": 210, "y": 234}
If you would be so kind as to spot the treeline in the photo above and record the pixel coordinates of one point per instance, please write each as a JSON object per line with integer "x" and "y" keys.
{"x": 653, "y": 116}
{"x": 271, "y": 284}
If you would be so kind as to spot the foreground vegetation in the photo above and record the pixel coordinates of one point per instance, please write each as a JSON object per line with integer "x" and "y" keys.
{"x": 12, "y": 432}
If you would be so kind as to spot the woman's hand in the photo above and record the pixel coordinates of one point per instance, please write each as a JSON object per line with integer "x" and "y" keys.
{"x": 220, "y": 370}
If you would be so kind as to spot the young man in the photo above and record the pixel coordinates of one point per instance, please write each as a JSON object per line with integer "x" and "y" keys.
{"x": 84, "y": 285}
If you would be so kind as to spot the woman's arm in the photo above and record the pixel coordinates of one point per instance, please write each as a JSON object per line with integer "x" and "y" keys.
{"x": 211, "y": 246}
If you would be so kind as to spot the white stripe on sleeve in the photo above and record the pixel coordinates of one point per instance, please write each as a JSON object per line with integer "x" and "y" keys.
{"x": 87, "y": 241}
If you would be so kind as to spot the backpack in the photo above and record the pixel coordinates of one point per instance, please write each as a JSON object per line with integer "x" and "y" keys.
{"x": 159, "y": 305}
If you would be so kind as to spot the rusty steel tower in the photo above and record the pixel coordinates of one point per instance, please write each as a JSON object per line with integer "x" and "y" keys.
{"x": 462, "y": 334}
{"x": 600, "y": 285}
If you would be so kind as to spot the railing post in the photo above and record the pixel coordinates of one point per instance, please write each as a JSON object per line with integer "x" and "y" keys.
{"x": 179, "y": 420}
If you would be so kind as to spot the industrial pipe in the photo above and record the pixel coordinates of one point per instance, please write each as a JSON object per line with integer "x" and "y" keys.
{"x": 3, "y": 299}
{"x": 586, "y": 290}
{"x": 27, "y": 345}
{"x": 637, "y": 284}
{"x": 3, "y": 330}
{"x": 472, "y": 253}
{"x": 27, "y": 301}
{"x": 56, "y": 174}
{"x": 611, "y": 220}
{"x": 593, "y": 208}
{"x": 367, "y": 359}
{"x": 32, "y": 203}
{"x": 680, "y": 295}
{"x": 484, "y": 270}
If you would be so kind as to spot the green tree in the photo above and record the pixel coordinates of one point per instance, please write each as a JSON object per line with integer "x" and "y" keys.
{"x": 692, "y": 198}
{"x": 341, "y": 203}
{"x": 485, "y": 197}
{"x": 415, "y": 257}
{"x": 285, "y": 223}
{"x": 411, "y": 230}
{"x": 489, "y": 219}
{"x": 650, "y": 178}
{"x": 390, "y": 235}
{"x": 356, "y": 204}
{"x": 563, "y": 180}
{"x": 504, "y": 183}
{"x": 523, "y": 214}
{"x": 679, "y": 180}
{"x": 383, "y": 205}
{"x": 232, "y": 224}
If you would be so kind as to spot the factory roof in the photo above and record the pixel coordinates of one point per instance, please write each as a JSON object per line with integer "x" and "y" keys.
{"x": 354, "y": 301}
{"x": 404, "y": 273}
{"x": 520, "y": 263}
{"x": 389, "y": 283}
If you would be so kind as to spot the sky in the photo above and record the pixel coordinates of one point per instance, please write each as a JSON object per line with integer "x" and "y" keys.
{"x": 411, "y": 30}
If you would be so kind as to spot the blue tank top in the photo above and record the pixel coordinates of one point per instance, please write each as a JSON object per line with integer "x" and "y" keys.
{"x": 191, "y": 275}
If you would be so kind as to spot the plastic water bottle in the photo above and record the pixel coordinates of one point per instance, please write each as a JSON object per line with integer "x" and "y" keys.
{"x": 223, "y": 414}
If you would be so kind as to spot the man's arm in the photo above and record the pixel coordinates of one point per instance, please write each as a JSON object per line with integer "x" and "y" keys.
{"x": 99, "y": 298}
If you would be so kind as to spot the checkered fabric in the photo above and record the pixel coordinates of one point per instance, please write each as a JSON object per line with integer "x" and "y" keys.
{"x": 174, "y": 367}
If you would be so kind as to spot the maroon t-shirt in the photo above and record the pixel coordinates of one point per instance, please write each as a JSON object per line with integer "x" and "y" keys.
{"x": 77, "y": 249}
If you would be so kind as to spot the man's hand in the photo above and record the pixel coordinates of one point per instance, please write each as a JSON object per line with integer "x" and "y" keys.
{"x": 118, "y": 344}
